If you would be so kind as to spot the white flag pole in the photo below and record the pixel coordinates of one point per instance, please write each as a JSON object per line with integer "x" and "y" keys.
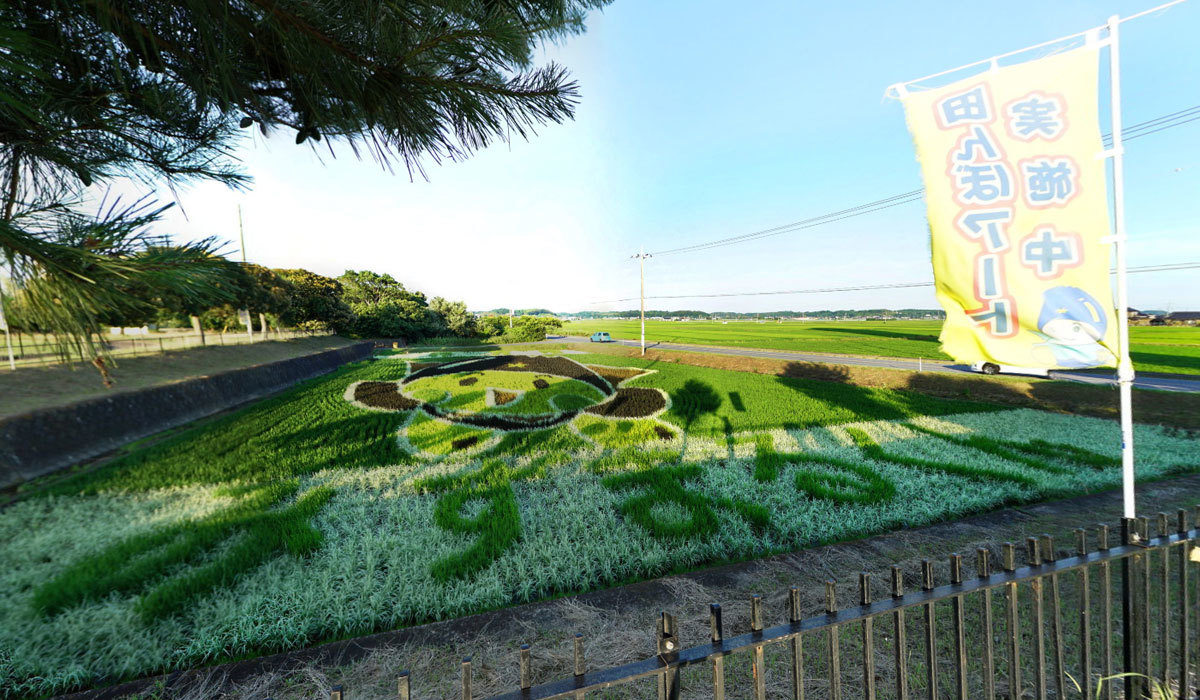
{"x": 1125, "y": 372}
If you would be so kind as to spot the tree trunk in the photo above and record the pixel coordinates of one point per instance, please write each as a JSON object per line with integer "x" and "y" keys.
{"x": 262, "y": 323}
{"x": 196, "y": 326}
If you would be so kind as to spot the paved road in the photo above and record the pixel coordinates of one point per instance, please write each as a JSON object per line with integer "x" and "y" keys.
{"x": 1142, "y": 382}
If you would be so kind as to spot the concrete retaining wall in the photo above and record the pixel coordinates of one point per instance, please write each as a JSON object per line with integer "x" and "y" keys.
{"x": 37, "y": 443}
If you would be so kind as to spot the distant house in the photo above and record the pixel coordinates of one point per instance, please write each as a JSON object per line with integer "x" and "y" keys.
{"x": 1189, "y": 318}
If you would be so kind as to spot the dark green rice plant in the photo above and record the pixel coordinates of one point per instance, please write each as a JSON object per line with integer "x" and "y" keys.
{"x": 665, "y": 486}
{"x": 497, "y": 524}
{"x": 1034, "y": 453}
{"x": 872, "y": 450}
{"x": 144, "y": 561}
{"x": 852, "y": 483}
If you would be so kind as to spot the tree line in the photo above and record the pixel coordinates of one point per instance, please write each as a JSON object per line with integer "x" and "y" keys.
{"x": 357, "y": 303}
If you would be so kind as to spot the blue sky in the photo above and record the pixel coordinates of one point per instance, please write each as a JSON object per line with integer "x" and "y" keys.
{"x": 699, "y": 122}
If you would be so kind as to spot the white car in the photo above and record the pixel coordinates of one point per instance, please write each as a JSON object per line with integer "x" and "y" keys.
{"x": 993, "y": 368}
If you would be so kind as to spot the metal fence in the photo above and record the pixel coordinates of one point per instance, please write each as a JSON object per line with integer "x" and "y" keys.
{"x": 32, "y": 349}
{"x": 1109, "y": 620}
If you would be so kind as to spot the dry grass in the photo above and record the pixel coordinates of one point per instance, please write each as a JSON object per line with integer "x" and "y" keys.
{"x": 30, "y": 388}
{"x": 618, "y": 625}
{"x": 1176, "y": 409}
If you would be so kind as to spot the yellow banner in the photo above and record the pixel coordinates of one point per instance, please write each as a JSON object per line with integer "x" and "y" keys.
{"x": 1018, "y": 205}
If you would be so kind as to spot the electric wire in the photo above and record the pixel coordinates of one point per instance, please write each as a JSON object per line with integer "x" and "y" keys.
{"x": 1166, "y": 267}
{"x": 1130, "y": 132}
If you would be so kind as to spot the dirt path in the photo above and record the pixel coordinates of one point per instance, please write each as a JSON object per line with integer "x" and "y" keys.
{"x": 618, "y": 624}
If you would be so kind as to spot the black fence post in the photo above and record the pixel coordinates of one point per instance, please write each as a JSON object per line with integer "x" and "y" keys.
{"x": 960, "y": 645}
{"x": 1034, "y": 554}
{"x": 1049, "y": 557}
{"x": 1181, "y": 524}
{"x": 1009, "y": 563}
{"x": 901, "y": 649}
{"x": 868, "y": 636}
{"x": 668, "y": 650}
{"x": 758, "y": 663}
{"x": 1164, "y": 602}
{"x": 718, "y": 660}
{"x": 1106, "y": 589}
{"x": 1131, "y": 633}
{"x": 1085, "y": 612}
{"x": 835, "y": 646}
{"x": 794, "y": 616}
{"x": 930, "y": 630}
{"x": 983, "y": 569}
{"x": 1143, "y": 592}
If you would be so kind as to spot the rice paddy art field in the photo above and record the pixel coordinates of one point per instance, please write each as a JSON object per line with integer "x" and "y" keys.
{"x": 415, "y": 488}
{"x": 1166, "y": 349}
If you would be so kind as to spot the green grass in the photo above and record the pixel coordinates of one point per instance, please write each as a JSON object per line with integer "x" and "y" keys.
{"x": 1168, "y": 349}
{"x": 307, "y": 518}
{"x": 711, "y": 402}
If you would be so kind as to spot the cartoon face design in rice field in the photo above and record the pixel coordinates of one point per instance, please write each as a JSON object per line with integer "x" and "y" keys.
{"x": 460, "y": 405}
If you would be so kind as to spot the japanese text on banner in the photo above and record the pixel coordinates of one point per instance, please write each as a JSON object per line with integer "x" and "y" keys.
{"x": 1017, "y": 204}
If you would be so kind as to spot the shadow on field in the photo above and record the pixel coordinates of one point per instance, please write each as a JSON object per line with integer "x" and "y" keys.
{"x": 921, "y": 337}
{"x": 817, "y": 371}
{"x": 1182, "y": 362}
{"x": 694, "y": 399}
{"x": 975, "y": 388}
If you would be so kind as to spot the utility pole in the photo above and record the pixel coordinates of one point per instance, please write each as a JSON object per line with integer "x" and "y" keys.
{"x": 510, "y": 317}
{"x": 12, "y": 362}
{"x": 242, "y": 236}
{"x": 641, "y": 258}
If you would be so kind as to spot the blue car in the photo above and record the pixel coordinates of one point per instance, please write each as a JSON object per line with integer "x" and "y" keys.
{"x": 601, "y": 337}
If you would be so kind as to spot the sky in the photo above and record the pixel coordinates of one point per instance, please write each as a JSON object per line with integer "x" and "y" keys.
{"x": 699, "y": 122}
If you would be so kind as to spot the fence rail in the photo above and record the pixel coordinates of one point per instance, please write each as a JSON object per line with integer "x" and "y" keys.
{"x": 32, "y": 349}
{"x": 1123, "y": 635}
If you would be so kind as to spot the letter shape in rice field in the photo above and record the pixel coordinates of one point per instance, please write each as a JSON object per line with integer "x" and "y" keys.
{"x": 851, "y": 483}
{"x": 136, "y": 563}
{"x": 662, "y": 487}
{"x": 497, "y": 524}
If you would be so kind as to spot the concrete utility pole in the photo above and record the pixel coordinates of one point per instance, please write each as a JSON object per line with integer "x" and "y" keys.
{"x": 242, "y": 236}
{"x": 641, "y": 258}
{"x": 510, "y": 317}
{"x": 12, "y": 362}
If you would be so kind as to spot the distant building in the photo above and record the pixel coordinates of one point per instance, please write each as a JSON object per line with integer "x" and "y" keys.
{"x": 1189, "y": 318}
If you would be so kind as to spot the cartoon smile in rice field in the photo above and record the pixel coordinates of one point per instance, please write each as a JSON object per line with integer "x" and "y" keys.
{"x": 458, "y": 404}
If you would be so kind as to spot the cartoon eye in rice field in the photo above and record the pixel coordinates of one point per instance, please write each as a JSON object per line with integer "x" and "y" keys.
{"x": 507, "y": 393}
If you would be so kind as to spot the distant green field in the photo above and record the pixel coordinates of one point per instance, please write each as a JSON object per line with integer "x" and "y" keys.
{"x": 1171, "y": 349}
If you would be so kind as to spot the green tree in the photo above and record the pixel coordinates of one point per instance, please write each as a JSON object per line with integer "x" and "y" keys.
{"x": 383, "y": 308}
{"x": 314, "y": 301}
{"x": 525, "y": 329}
{"x": 156, "y": 91}
{"x": 455, "y": 316}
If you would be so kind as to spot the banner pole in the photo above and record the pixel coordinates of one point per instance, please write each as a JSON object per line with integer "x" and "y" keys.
{"x": 1125, "y": 372}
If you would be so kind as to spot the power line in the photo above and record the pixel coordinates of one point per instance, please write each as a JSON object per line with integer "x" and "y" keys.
{"x": 1167, "y": 267}
{"x": 1150, "y": 126}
